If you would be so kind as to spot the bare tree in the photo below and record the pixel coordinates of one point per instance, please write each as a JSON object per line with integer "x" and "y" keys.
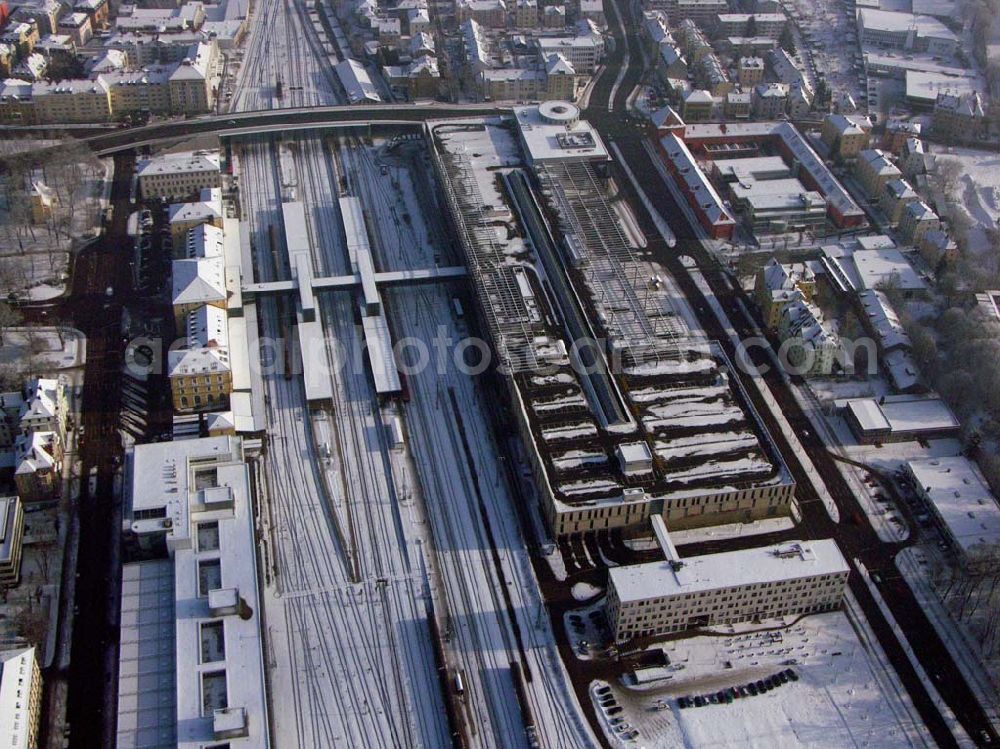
{"x": 9, "y": 318}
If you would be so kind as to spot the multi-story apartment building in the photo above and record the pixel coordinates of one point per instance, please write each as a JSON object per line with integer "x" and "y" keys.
{"x": 750, "y": 71}
{"x": 75, "y": 100}
{"x": 145, "y": 91}
{"x": 77, "y": 26}
{"x": 526, "y": 14}
{"x": 769, "y": 100}
{"x": 179, "y": 174}
{"x": 37, "y": 465}
{"x": 200, "y": 372}
{"x": 959, "y": 117}
{"x": 917, "y": 220}
{"x": 489, "y": 13}
{"x": 846, "y": 135}
{"x": 812, "y": 347}
{"x": 44, "y": 407}
{"x": 583, "y": 51}
{"x": 11, "y": 542}
{"x": 712, "y": 75}
{"x": 874, "y": 171}
{"x": 659, "y": 598}
{"x": 777, "y": 285}
{"x": 897, "y": 195}
{"x": 97, "y": 10}
{"x": 702, "y": 12}
{"x": 20, "y": 698}
{"x": 22, "y": 36}
{"x": 768, "y": 25}
{"x": 192, "y": 84}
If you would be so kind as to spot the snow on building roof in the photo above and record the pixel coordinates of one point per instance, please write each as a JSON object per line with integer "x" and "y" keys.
{"x": 902, "y": 414}
{"x": 894, "y": 22}
{"x": 960, "y": 498}
{"x": 883, "y": 319}
{"x": 766, "y": 167}
{"x": 41, "y": 399}
{"x": 850, "y": 123}
{"x": 924, "y": 86}
{"x": 35, "y": 452}
{"x": 182, "y": 162}
{"x": 731, "y": 569}
{"x": 913, "y": 413}
{"x": 988, "y": 303}
{"x": 197, "y": 481}
{"x": 207, "y": 207}
{"x": 869, "y": 416}
{"x": 902, "y": 369}
{"x": 553, "y": 131}
{"x": 199, "y": 281}
{"x": 697, "y": 184}
{"x": 356, "y": 82}
{"x": 887, "y": 266}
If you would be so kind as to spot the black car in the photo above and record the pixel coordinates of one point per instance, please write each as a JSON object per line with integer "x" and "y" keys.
{"x": 604, "y": 690}
{"x": 614, "y": 710}
{"x": 699, "y": 701}
{"x": 761, "y": 686}
{"x": 714, "y": 699}
{"x": 769, "y": 682}
{"x": 752, "y": 689}
{"x": 683, "y": 702}
{"x": 782, "y": 677}
{"x": 791, "y": 674}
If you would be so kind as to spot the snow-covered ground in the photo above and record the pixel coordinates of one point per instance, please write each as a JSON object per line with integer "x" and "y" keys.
{"x": 963, "y": 623}
{"x": 976, "y": 191}
{"x": 839, "y": 700}
{"x": 42, "y": 349}
{"x": 34, "y": 255}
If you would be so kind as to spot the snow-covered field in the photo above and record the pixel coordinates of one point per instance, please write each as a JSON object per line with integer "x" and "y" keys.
{"x": 976, "y": 191}
{"x": 42, "y": 349}
{"x": 837, "y": 702}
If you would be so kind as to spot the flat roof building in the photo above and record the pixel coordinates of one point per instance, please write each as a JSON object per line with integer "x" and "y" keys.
{"x": 657, "y": 598}
{"x": 897, "y": 418}
{"x": 191, "y": 661}
{"x": 553, "y": 131}
{"x": 964, "y": 507}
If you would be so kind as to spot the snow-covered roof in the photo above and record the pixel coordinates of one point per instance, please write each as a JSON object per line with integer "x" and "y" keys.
{"x": 193, "y": 482}
{"x": 552, "y": 131}
{"x": 960, "y": 498}
{"x": 41, "y": 399}
{"x": 356, "y": 82}
{"x": 208, "y": 207}
{"x": 902, "y": 23}
{"x": 199, "y": 281}
{"x": 181, "y": 162}
{"x": 35, "y": 452}
{"x": 882, "y": 317}
{"x": 696, "y": 183}
{"x": 730, "y": 569}
{"x": 887, "y": 266}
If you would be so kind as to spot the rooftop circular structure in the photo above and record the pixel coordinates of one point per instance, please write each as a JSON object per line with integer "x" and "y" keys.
{"x": 559, "y": 112}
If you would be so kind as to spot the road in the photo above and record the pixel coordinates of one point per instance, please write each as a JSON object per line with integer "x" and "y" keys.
{"x": 856, "y": 542}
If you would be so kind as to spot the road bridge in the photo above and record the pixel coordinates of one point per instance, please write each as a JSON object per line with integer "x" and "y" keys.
{"x": 251, "y": 123}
